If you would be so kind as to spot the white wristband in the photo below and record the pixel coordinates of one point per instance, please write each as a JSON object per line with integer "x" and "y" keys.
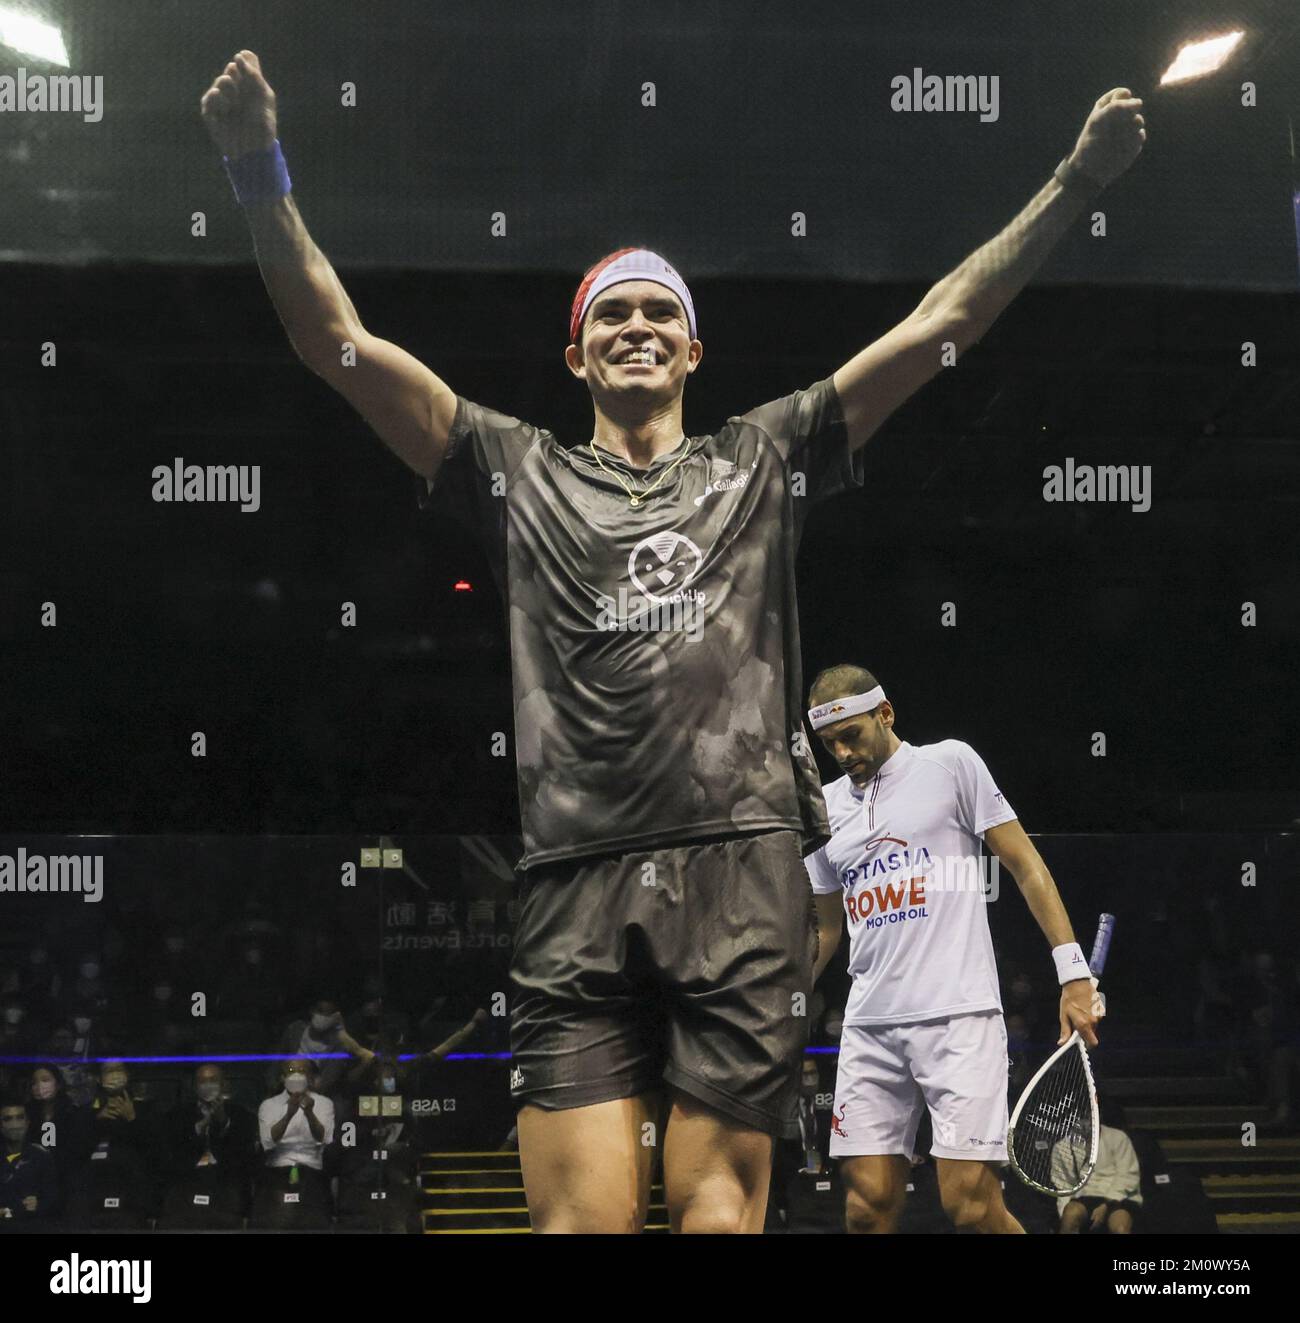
{"x": 1070, "y": 963}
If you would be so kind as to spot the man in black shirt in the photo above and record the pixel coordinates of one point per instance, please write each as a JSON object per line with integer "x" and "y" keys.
{"x": 666, "y": 940}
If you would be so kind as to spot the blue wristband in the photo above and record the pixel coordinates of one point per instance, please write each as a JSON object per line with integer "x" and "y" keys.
{"x": 258, "y": 176}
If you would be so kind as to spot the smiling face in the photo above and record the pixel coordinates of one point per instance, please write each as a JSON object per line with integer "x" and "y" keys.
{"x": 635, "y": 346}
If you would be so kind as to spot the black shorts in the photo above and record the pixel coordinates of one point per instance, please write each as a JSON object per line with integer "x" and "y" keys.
{"x": 690, "y": 965}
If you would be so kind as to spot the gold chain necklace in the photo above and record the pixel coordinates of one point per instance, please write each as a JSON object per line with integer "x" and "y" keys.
{"x": 635, "y": 498}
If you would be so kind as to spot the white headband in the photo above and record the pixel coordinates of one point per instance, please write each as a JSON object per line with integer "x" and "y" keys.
{"x": 640, "y": 264}
{"x": 840, "y": 708}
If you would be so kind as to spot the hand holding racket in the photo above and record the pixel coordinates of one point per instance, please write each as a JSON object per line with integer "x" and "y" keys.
{"x": 1082, "y": 1006}
{"x": 1054, "y": 1130}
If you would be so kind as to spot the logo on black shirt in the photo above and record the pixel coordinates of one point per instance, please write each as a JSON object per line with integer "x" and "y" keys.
{"x": 662, "y": 565}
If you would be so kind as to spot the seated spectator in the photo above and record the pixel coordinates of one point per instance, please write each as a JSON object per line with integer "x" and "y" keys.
{"x": 210, "y": 1130}
{"x": 1113, "y": 1193}
{"x": 29, "y": 1186}
{"x": 296, "y": 1124}
{"x": 88, "y": 993}
{"x": 40, "y": 983}
{"x": 17, "y": 1032}
{"x": 80, "y": 1078}
{"x": 251, "y": 990}
{"x": 163, "y": 1019}
{"x": 375, "y": 1019}
{"x": 296, "y": 1127}
{"x": 116, "y": 1115}
{"x": 210, "y": 1147}
{"x": 323, "y": 1034}
{"x": 57, "y": 1125}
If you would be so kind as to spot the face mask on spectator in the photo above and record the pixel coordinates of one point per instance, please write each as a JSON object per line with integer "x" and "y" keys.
{"x": 114, "y": 1081}
{"x": 322, "y": 1022}
{"x": 43, "y": 1090}
{"x": 388, "y": 1084}
{"x": 209, "y": 1091}
{"x": 81, "y": 1024}
{"x": 253, "y": 956}
{"x": 162, "y": 993}
{"x": 13, "y": 1015}
{"x": 89, "y": 969}
{"x": 15, "y": 1131}
{"x": 296, "y": 1083}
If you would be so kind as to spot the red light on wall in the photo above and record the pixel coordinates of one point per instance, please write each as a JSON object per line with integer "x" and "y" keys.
{"x": 462, "y": 586}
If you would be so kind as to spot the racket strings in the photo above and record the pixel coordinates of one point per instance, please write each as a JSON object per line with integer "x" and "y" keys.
{"x": 1052, "y": 1140}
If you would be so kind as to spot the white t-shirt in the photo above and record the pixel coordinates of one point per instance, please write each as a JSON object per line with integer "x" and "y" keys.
{"x": 905, "y": 851}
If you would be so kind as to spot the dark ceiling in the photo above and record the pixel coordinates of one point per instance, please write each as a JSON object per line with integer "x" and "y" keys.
{"x": 464, "y": 110}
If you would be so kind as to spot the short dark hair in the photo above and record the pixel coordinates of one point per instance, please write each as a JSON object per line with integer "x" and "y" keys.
{"x": 840, "y": 682}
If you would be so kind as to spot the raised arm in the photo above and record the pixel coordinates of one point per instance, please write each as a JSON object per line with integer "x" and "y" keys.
{"x": 965, "y": 303}
{"x": 407, "y": 405}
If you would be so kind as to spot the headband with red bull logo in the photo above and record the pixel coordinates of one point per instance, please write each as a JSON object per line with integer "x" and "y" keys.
{"x": 839, "y": 709}
{"x": 627, "y": 264}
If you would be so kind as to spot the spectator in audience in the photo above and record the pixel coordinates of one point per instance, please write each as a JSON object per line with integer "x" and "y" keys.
{"x": 70, "y": 1050}
{"x": 1113, "y": 1193}
{"x": 69, "y": 1139}
{"x": 17, "y": 1033}
{"x": 323, "y": 1034}
{"x": 164, "y": 1020}
{"x": 375, "y": 1020}
{"x": 118, "y": 1117}
{"x": 297, "y": 1124}
{"x": 88, "y": 993}
{"x": 40, "y": 983}
{"x": 178, "y": 964}
{"x": 251, "y": 991}
{"x": 211, "y": 1130}
{"x": 63, "y": 1130}
{"x": 29, "y": 1186}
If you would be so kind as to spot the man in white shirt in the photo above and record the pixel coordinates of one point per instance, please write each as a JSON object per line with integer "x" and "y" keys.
{"x": 923, "y": 1026}
{"x": 295, "y": 1125}
{"x": 1113, "y": 1193}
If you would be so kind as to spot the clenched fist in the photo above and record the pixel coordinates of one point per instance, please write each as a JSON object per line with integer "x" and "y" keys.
{"x": 1112, "y": 137}
{"x": 239, "y": 108}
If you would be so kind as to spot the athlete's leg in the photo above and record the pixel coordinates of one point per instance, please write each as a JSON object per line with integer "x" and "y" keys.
{"x": 587, "y": 1169}
{"x": 971, "y": 1193}
{"x": 874, "y": 1187}
{"x": 1074, "y": 1217}
{"x": 716, "y": 1170}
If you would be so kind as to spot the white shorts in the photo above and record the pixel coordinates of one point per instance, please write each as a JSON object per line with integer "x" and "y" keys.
{"x": 889, "y": 1073}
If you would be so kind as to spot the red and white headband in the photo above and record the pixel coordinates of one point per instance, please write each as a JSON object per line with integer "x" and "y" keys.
{"x": 838, "y": 709}
{"x": 627, "y": 264}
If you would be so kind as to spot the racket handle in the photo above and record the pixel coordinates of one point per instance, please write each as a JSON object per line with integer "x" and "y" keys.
{"x": 1101, "y": 946}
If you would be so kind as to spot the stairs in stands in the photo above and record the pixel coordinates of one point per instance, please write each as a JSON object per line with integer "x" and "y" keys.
{"x": 1199, "y": 1120}
{"x": 482, "y": 1193}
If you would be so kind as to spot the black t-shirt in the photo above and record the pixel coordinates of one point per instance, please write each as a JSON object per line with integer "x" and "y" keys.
{"x": 654, "y": 648}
